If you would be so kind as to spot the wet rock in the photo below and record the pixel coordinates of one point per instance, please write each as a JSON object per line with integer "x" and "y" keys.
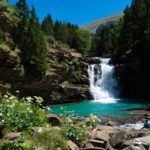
{"x": 54, "y": 120}
{"x": 72, "y": 146}
{"x": 72, "y": 91}
{"x": 112, "y": 123}
{"x": 92, "y": 60}
{"x": 12, "y": 136}
{"x": 136, "y": 147}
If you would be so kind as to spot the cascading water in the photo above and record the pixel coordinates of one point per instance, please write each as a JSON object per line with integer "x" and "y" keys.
{"x": 103, "y": 85}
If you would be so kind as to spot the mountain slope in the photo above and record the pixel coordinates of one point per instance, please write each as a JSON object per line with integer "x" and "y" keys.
{"x": 92, "y": 27}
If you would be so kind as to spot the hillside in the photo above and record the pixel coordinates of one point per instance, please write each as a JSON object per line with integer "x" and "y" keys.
{"x": 92, "y": 27}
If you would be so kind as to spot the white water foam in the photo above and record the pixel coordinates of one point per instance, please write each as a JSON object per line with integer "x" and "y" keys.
{"x": 103, "y": 85}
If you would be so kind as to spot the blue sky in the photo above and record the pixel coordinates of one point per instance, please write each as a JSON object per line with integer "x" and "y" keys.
{"x": 79, "y": 12}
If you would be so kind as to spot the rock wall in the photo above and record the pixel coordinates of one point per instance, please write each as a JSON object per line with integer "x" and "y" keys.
{"x": 133, "y": 79}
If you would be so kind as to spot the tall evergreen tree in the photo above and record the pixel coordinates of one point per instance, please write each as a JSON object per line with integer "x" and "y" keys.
{"x": 34, "y": 53}
{"x": 31, "y": 41}
{"x": 57, "y": 29}
{"x": 47, "y": 26}
{"x": 20, "y": 31}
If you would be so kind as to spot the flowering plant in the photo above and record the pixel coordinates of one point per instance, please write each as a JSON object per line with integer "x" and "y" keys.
{"x": 18, "y": 114}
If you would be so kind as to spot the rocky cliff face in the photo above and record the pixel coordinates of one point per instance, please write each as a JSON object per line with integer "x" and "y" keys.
{"x": 65, "y": 81}
{"x": 133, "y": 81}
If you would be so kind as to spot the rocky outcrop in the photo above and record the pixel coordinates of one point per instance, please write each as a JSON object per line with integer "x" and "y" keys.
{"x": 11, "y": 69}
{"x": 92, "y": 60}
{"x": 110, "y": 138}
{"x": 66, "y": 80}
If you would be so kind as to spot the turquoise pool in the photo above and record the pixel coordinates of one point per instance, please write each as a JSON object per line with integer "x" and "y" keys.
{"x": 85, "y": 108}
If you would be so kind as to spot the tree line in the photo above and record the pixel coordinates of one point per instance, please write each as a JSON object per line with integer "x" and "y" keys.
{"x": 31, "y": 38}
{"x": 128, "y": 42}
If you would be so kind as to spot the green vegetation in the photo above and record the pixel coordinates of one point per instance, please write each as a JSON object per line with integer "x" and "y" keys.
{"x": 83, "y": 41}
{"x": 27, "y": 115}
{"x": 32, "y": 38}
{"x": 127, "y": 41}
{"x": 47, "y": 26}
{"x": 31, "y": 41}
{"x": 99, "y": 24}
{"x": 22, "y": 115}
{"x": 76, "y": 131}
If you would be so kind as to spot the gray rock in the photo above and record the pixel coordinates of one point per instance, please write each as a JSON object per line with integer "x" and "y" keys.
{"x": 72, "y": 91}
{"x": 122, "y": 136}
{"x": 54, "y": 120}
{"x": 97, "y": 143}
{"x": 72, "y": 146}
{"x": 92, "y": 60}
{"x": 100, "y": 135}
{"x": 12, "y": 136}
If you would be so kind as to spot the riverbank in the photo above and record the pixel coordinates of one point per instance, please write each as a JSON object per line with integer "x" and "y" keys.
{"x": 78, "y": 133}
{"x": 27, "y": 125}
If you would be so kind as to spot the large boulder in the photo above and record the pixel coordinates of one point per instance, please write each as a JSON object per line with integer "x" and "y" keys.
{"x": 72, "y": 91}
{"x": 54, "y": 120}
{"x": 76, "y": 92}
{"x": 12, "y": 136}
{"x": 121, "y": 136}
{"x": 102, "y": 136}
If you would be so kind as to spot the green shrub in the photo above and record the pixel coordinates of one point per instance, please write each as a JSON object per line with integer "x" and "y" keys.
{"x": 22, "y": 114}
{"x": 78, "y": 130}
{"x": 52, "y": 140}
{"x": 75, "y": 133}
{"x": 92, "y": 121}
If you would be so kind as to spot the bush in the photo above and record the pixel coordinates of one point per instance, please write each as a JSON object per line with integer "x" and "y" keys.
{"x": 92, "y": 121}
{"x": 74, "y": 131}
{"x": 22, "y": 114}
{"x": 52, "y": 140}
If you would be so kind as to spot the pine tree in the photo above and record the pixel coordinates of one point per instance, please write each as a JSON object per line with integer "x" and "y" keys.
{"x": 57, "y": 29}
{"x": 34, "y": 52}
{"x": 47, "y": 26}
{"x": 31, "y": 41}
{"x": 19, "y": 33}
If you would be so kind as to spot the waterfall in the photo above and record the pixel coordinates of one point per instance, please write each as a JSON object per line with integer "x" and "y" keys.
{"x": 103, "y": 85}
